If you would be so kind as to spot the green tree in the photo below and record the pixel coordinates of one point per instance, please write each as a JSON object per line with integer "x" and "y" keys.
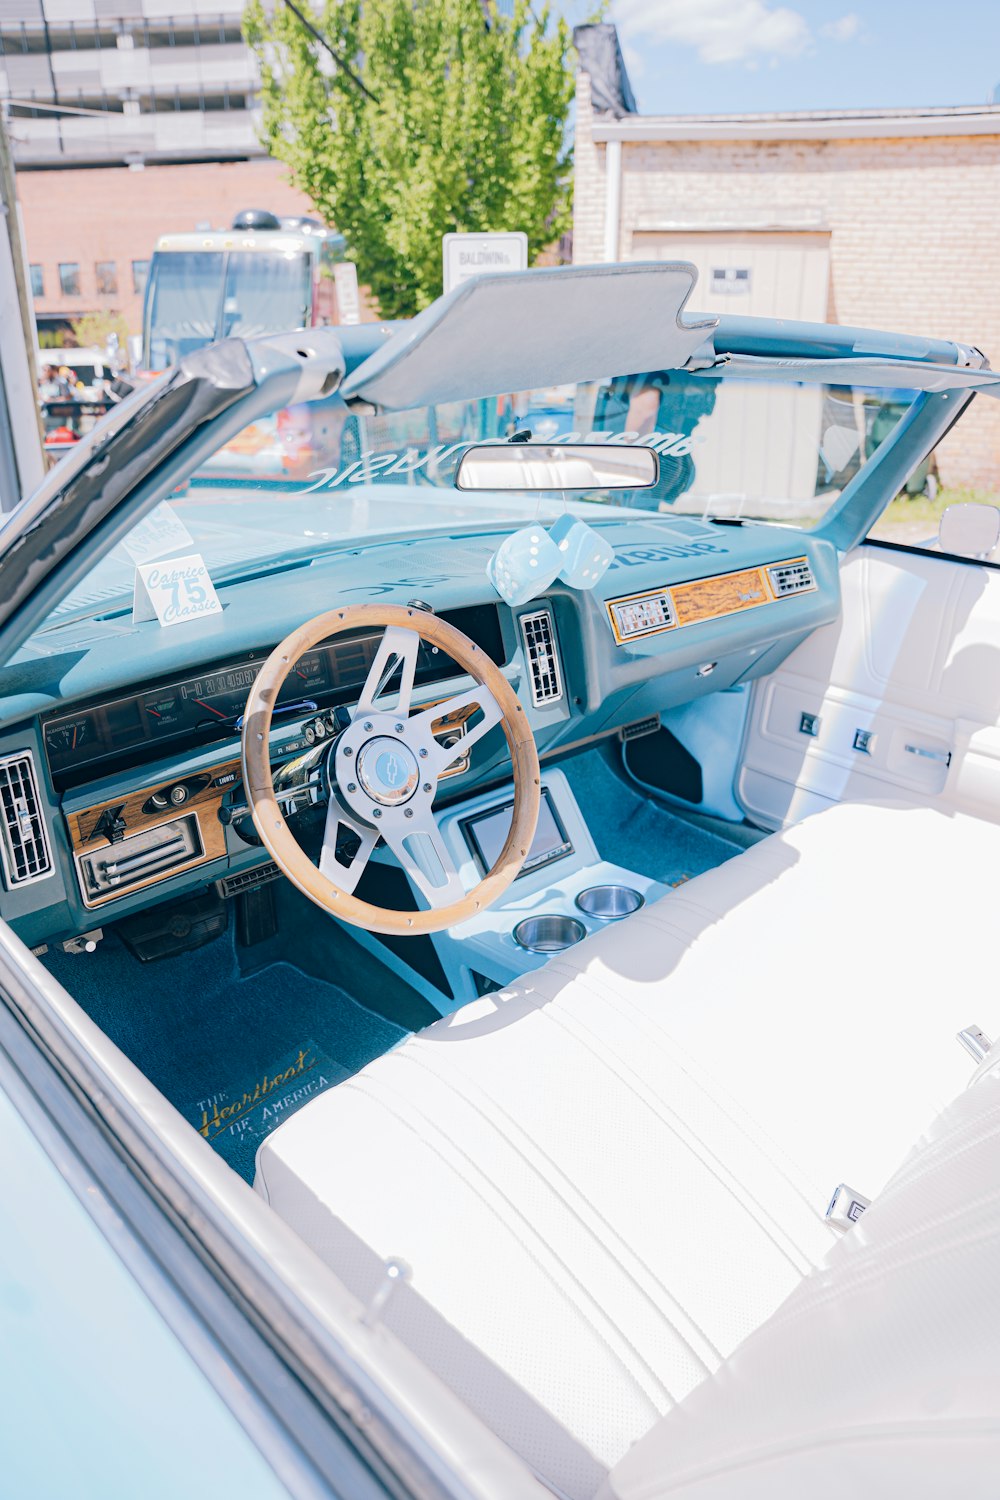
{"x": 462, "y": 127}
{"x": 93, "y": 329}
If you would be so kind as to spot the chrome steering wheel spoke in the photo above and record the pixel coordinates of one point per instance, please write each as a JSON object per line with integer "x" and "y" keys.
{"x": 397, "y": 646}
{"x": 345, "y": 877}
{"x": 418, "y": 845}
{"x": 439, "y": 757}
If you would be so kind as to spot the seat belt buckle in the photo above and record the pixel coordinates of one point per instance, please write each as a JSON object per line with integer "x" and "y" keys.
{"x": 846, "y": 1206}
{"x": 975, "y": 1041}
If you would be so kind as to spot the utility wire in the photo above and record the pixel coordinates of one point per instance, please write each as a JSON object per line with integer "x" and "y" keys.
{"x": 338, "y": 59}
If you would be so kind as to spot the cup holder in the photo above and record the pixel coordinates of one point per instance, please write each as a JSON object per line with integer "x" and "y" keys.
{"x": 609, "y": 902}
{"x": 550, "y": 933}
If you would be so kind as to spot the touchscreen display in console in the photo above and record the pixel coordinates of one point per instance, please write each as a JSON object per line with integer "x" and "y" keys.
{"x": 485, "y": 834}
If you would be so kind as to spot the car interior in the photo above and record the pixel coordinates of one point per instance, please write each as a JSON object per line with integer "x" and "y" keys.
{"x": 573, "y": 969}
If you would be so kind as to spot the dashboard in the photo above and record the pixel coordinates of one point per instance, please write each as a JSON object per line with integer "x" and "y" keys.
{"x": 190, "y": 710}
{"x": 127, "y": 737}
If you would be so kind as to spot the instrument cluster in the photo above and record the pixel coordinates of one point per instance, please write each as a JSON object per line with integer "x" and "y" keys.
{"x": 198, "y": 709}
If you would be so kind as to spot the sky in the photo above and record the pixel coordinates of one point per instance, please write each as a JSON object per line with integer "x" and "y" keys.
{"x": 705, "y": 56}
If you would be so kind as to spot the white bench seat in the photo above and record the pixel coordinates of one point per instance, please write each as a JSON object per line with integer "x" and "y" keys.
{"x": 607, "y": 1177}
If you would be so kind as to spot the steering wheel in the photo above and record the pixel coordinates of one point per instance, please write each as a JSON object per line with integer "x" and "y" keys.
{"x": 382, "y": 771}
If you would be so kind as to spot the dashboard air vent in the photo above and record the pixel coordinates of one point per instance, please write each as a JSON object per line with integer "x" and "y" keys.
{"x": 247, "y": 880}
{"x": 543, "y": 662}
{"x": 24, "y": 844}
{"x": 791, "y": 578}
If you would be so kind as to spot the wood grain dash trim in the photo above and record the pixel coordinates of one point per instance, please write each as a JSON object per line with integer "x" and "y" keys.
{"x": 205, "y": 804}
{"x": 727, "y": 594}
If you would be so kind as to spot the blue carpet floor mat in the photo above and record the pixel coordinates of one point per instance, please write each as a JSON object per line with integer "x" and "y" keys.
{"x": 631, "y": 829}
{"x": 235, "y": 1054}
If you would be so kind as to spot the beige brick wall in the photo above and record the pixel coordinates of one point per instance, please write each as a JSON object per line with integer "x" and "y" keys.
{"x": 914, "y": 233}
{"x": 588, "y": 182}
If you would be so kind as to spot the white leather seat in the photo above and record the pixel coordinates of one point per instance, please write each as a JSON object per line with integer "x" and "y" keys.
{"x": 880, "y": 1375}
{"x": 605, "y": 1178}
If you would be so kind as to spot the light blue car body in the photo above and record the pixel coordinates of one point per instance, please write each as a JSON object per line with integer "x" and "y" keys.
{"x": 98, "y": 1395}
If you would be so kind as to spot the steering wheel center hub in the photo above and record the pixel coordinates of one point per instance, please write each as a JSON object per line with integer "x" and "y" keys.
{"x": 387, "y": 771}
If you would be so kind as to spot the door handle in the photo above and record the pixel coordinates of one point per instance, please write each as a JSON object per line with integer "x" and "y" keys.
{"x": 944, "y": 756}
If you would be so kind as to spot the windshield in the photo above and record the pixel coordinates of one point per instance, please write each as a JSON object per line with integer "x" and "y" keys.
{"x": 197, "y": 296}
{"x": 265, "y": 293}
{"x": 307, "y": 480}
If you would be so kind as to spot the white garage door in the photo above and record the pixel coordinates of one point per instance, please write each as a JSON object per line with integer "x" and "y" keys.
{"x": 767, "y": 436}
{"x": 763, "y": 274}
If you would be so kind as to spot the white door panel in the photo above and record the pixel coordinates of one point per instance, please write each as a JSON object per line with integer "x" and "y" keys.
{"x": 905, "y": 687}
{"x": 787, "y": 273}
{"x": 764, "y": 439}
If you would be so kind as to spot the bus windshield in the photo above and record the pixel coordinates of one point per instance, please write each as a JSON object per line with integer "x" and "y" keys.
{"x": 265, "y": 293}
{"x": 197, "y": 296}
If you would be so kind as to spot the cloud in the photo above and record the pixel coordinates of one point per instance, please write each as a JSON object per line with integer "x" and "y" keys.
{"x": 844, "y": 30}
{"x": 720, "y": 31}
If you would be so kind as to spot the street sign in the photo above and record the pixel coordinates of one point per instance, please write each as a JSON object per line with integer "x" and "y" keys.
{"x": 345, "y": 279}
{"x": 467, "y": 255}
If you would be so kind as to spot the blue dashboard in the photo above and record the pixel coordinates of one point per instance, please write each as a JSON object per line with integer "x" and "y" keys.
{"x": 132, "y": 731}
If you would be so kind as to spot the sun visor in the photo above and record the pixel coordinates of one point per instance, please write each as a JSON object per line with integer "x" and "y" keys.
{"x": 520, "y": 330}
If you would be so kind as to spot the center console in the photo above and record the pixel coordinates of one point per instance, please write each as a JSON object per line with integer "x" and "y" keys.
{"x": 565, "y": 891}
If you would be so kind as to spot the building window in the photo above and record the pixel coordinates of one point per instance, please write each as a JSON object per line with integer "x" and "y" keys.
{"x": 140, "y": 275}
{"x": 726, "y": 279}
{"x": 106, "y": 272}
{"x": 37, "y": 281}
{"x": 69, "y": 278}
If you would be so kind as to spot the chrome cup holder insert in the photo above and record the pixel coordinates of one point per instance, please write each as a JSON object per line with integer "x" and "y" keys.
{"x": 609, "y": 902}
{"x": 549, "y": 933}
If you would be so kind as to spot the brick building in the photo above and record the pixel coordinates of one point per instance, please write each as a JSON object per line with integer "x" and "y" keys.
{"x": 90, "y": 232}
{"x": 127, "y": 119}
{"x": 881, "y": 218}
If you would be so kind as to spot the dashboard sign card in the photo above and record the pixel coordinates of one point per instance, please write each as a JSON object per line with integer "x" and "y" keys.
{"x": 157, "y": 535}
{"x": 174, "y": 591}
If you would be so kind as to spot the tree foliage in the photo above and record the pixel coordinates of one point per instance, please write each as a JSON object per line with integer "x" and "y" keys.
{"x": 94, "y": 329}
{"x": 466, "y": 130}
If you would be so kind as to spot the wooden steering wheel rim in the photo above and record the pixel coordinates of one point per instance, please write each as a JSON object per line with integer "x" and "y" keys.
{"x": 269, "y": 819}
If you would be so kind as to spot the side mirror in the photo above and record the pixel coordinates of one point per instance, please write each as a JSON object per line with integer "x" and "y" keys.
{"x": 969, "y": 529}
{"x": 563, "y": 466}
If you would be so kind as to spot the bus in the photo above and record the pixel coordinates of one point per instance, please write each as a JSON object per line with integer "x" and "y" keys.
{"x": 264, "y": 275}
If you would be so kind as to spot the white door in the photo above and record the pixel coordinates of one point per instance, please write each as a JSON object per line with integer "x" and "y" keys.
{"x": 764, "y": 442}
{"x": 761, "y": 274}
{"x": 898, "y": 699}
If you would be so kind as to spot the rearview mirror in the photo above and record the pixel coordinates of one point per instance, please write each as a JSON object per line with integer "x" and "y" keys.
{"x": 563, "y": 466}
{"x": 969, "y": 529}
